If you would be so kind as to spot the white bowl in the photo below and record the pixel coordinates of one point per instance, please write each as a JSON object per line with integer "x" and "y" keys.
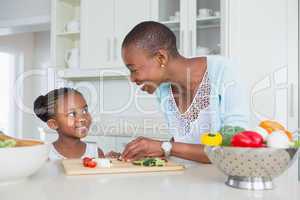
{"x": 17, "y": 163}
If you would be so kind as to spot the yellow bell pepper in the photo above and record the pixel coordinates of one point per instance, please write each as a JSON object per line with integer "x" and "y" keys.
{"x": 211, "y": 139}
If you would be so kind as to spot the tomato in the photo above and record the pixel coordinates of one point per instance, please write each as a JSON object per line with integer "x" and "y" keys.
{"x": 92, "y": 164}
{"x": 86, "y": 161}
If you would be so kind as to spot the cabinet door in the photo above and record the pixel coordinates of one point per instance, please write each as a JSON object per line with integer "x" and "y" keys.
{"x": 204, "y": 27}
{"x": 125, "y": 20}
{"x": 263, "y": 41}
{"x": 173, "y": 14}
{"x": 96, "y": 33}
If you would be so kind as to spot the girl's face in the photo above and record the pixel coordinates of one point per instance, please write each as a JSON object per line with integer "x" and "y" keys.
{"x": 72, "y": 116}
{"x": 145, "y": 70}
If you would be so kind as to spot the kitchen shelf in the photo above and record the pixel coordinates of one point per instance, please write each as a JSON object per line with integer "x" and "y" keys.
{"x": 170, "y": 22}
{"x": 208, "y": 26}
{"x": 208, "y": 22}
{"x": 199, "y": 27}
{"x": 71, "y": 35}
{"x": 72, "y": 2}
{"x": 212, "y": 18}
{"x": 63, "y": 12}
{"x": 121, "y": 72}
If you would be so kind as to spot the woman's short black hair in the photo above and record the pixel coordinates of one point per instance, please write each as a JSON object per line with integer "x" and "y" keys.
{"x": 152, "y": 36}
{"x": 44, "y": 105}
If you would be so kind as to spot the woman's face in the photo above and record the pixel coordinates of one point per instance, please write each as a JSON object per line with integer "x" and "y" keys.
{"x": 72, "y": 116}
{"x": 145, "y": 70}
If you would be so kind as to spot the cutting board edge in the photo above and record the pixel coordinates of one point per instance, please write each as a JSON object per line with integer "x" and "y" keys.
{"x": 176, "y": 167}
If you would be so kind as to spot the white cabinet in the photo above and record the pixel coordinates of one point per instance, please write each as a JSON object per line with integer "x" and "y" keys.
{"x": 263, "y": 40}
{"x": 97, "y": 33}
{"x": 196, "y": 24}
{"x": 104, "y": 26}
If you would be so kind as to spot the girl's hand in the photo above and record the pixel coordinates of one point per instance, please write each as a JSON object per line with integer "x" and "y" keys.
{"x": 113, "y": 154}
{"x": 142, "y": 147}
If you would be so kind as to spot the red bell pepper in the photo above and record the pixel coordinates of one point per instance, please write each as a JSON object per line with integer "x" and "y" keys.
{"x": 247, "y": 139}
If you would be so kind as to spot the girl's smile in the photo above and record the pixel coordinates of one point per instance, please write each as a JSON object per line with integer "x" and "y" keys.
{"x": 73, "y": 118}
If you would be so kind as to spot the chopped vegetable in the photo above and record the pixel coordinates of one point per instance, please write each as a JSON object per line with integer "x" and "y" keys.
{"x": 92, "y": 164}
{"x": 228, "y": 132}
{"x": 150, "y": 162}
{"x": 211, "y": 139}
{"x": 7, "y": 143}
{"x": 104, "y": 162}
{"x": 88, "y": 162}
{"x": 247, "y": 139}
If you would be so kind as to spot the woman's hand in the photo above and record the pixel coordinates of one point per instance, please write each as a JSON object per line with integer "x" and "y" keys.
{"x": 142, "y": 147}
{"x": 113, "y": 154}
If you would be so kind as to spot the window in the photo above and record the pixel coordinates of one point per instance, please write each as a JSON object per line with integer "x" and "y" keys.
{"x": 6, "y": 74}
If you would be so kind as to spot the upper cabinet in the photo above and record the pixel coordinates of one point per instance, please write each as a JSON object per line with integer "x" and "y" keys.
{"x": 89, "y": 33}
{"x": 196, "y": 24}
{"x": 104, "y": 26}
{"x": 97, "y": 33}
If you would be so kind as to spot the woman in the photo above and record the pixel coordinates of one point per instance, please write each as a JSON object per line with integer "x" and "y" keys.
{"x": 197, "y": 95}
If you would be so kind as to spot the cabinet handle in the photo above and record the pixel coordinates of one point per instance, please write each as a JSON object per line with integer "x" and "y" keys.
{"x": 181, "y": 41}
{"x": 115, "y": 48}
{"x": 292, "y": 100}
{"x": 108, "y": 49}
{"x": 191, "y": 43}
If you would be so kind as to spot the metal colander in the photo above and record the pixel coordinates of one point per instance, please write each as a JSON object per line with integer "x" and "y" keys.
{"x": 251, "y": 168}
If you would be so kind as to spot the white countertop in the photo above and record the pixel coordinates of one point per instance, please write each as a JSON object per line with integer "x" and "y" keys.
{"x": 198, "y": 181}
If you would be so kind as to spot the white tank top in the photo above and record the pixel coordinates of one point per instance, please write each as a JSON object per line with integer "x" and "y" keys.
{"x": 91, "y": 150}
{"x": 189, "y": 126}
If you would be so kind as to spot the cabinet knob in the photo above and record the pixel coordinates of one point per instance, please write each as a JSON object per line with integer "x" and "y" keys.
{"x": 115, "y": 46}
{"x": 108, "y": 49}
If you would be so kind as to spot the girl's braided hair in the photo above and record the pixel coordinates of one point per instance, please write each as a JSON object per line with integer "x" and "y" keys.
{"x": 44, "y": 105}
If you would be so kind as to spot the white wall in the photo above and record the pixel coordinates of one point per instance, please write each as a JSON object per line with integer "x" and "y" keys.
{"x": 15, "y": 9}
{"x": 39, "y": 81}
{"x": 261, "y": 43}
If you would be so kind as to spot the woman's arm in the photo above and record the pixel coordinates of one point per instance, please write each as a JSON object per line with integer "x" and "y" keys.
{"x": 193, "y": 152}
{"x": 142, "y": 147}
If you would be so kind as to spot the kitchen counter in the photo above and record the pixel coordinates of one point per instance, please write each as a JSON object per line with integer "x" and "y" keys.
{"x": 198, "y": 181}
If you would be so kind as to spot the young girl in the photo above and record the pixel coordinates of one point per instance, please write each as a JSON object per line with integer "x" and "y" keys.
{"x": 65, "y": 110}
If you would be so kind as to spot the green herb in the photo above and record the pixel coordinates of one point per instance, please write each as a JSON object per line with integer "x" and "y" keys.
{"x": 150, "y": 162}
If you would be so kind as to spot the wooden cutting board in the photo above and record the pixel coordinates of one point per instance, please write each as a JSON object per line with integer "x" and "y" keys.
{"x": 75, "y": 167}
